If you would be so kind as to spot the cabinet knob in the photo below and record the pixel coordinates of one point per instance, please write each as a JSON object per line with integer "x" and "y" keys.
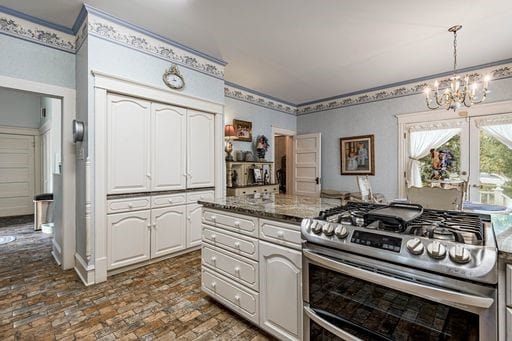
{"x": 130, "y": 205}
{"x": 189, "y": 218}
{"x": 237, "y": 244}
{"x": 237, "y": 269}
{"x": 237, "y": 223}
{"x": 214, "y": 236}
{"x": 148, "y": 175}
{"x": 154, "y": 225}
{"x": 280, "y": 234}
{"x": 214, "y": 259}
{"x": 214, "y": 285}
{"x": 149, "y": 226}
{"x": 213, "y": 217}
{"x": 237, "y": 298}
{"x": 201, "y": 197}
{"x": 170, "y": 201}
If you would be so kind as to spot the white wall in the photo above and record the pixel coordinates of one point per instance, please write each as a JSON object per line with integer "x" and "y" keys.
{"x": 376, "y": 118}
{"x": 263, "y": 119}
{"x": 19, "y": 109}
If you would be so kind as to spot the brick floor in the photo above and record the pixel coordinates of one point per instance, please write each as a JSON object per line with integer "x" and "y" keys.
{"x": 162, "y": 301}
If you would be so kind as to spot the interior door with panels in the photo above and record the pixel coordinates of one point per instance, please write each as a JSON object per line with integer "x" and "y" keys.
{"x": 200, "y": 149}
{"x": 169, "y": 230}
{"x": 128, "y": 144}
{"x": 168, "y": 147}
{"x": 307, "y": 164}
{"x": 128, "y": 238}
{"x": 16, "y": 174}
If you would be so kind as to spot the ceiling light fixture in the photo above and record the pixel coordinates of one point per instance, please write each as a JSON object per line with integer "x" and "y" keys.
{"x": 455, "y": 95}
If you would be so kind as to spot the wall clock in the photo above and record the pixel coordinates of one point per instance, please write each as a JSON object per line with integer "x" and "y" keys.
{"x": 173, "y": 78}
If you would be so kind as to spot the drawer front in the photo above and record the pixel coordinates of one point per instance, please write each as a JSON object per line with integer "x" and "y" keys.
{"x": 193, "y": 197}
{"x": 281, "y": 233}
{"x": 240, "y": 270}
{"x": 244, "y": 301}
{"x": 168, "y": 200}
{"x": 128, "y": 204}
{"x": 233, "y": 222}
{"x": 240, "y": 245}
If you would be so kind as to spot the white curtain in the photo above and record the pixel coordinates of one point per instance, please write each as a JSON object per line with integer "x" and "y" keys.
{"x": 420, "y": 143}
{"x": 502, "y": 133}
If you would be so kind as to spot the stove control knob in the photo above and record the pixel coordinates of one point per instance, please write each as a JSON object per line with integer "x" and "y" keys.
{"x": 459, "y": 254}
{"x": 436, "y": 250}
{"x": 316, "y": 227}
{"x": 341, "y": 232}
{"x": 415, "y": 246}
{"x": 328, "y": 229}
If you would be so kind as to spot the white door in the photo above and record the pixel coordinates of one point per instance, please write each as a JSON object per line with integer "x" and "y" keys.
{"x": 281, "y": 291}
{"x": 307, "y": 164}
{"x": 16, "y": 175}
{"x": 128, "y": 145}
{"x": 194, "y": 229}
{"x": 169, "y": 230}
{"x": 128, "y": 238}
{"x": 168, "y": 147}
{"x": 200, "y": 149}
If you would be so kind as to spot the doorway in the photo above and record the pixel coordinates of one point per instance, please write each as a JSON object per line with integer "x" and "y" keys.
{"x": 282, "y": 152}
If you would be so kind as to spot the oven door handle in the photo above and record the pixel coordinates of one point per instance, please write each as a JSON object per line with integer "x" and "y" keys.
{"x": 433, "y": 293}
{"x": 328, "y": 326}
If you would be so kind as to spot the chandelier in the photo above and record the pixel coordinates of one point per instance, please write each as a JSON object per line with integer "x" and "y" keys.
{"x": 459, "y": 92}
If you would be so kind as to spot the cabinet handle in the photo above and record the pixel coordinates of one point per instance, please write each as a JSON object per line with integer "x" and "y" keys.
{"x": 170, "y": 201}
{"x": 214, "y": 285}
{"x": 148, "y": 175}
{"x": 149, "y": 226}
{"x": 213, "y": 217}
{"x": 130, "y": 205}
{"x": 237, "y": 269}
{"x": 237, "y": 223}
{"x": 189, "y": 175}
{"x": 214, "y": 259}
{"x": 189, "y": 218}
{"x": 280, "y": 234}
{"x": 214, "y": 236}
{"x": 237, "y": 298}
{"x": 237, "y": 244}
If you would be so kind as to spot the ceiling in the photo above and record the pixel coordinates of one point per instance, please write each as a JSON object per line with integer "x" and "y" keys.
{"x": 300, "y": 50}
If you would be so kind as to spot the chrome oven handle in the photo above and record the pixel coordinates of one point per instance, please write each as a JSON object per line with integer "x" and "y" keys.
{"x": 432, "y": 293}
{"x": 331, "y": 328}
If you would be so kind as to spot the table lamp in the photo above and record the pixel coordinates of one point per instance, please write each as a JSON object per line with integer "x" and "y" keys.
{"x": 229, "y": 133}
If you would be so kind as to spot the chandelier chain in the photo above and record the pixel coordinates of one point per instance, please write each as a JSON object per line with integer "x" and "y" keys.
{"x": 454, "y": 53}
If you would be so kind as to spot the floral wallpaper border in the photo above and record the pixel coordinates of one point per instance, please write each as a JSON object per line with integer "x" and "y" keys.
{"x": 246, "y": 96}
{"x": 497, "y": 72}
{"x": 27, "y": 30}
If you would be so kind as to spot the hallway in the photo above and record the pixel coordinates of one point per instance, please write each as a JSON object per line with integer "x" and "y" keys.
{"x": 159, "y": 301}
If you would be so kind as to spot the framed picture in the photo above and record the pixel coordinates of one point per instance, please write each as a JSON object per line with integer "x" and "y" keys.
{"x": 258, "y": 176}
{"x": 243, "y": 130}
{"x": 357, "y": 155}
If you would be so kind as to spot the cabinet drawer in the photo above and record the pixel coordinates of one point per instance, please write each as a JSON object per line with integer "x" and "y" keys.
{"x": 234, "y": 222}
{"x": 281, "y": 233}
{"x": 241, "y": 300}
{"x": 193, "y": 197}
{"x": 168, "y": 200}
{"x": 240, "y": 270}
{"x": 128, "y": 204}
{"x": 240, "y": 245}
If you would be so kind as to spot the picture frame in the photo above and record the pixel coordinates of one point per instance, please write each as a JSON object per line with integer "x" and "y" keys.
{"x": 258, "y": 176}
{"x": 357, "y": 155}
{"x": 243, "y": 130}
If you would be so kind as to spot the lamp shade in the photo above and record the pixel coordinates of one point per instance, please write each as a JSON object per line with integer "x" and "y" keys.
{"x": 229, "y": 130}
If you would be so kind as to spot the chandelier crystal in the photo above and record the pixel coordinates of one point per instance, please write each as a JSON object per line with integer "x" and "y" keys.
{"x": 459, "y": 92}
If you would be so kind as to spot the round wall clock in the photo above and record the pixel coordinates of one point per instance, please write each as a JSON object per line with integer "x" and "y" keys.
{"x": 173, "y": 78}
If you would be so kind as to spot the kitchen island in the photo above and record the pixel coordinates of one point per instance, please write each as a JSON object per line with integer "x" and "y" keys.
{"x": 252, "y": 257}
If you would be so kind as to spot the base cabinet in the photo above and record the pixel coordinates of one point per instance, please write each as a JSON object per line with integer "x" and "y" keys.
{"x": 128, "y": 238}
{"x": 194, "y": 217}
{"x": 281, "y": 291}
{"x": 168, "y": 232}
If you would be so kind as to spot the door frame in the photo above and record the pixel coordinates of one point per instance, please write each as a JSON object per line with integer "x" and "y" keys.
{"x": 276, "y": 131}
{"x": 64, "y": 245}
{"x": 96, "y": 186}
{"x": 404, "y": 120}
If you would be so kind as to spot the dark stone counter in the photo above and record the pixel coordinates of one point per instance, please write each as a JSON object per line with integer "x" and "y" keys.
{"x": 291, "y": 208}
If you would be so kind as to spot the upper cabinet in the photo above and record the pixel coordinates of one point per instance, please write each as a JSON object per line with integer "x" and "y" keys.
{"x": 158, "y": 147}
{"x": 200, "y": 149}
{"x": 128, "y": 145}
{"x": 168, "y": 147}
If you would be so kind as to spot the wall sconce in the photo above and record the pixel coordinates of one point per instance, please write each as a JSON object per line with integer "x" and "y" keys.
{"x": 229, "y": 133}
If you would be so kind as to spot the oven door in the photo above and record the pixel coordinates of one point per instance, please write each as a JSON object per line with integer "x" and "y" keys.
{"x": 356, "y": 298}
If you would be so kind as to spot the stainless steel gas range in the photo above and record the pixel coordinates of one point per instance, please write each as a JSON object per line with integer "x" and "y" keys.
{"x": 399, "y": 272}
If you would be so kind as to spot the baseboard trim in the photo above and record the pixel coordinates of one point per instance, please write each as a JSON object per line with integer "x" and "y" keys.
{"x": 56, "y": 252}
{"x": 83, "y": 270}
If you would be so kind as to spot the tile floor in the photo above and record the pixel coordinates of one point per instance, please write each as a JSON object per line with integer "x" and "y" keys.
{"x": 38, "y": 301}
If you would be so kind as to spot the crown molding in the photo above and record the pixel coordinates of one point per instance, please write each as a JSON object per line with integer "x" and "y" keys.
{"x": 240, "y": 93}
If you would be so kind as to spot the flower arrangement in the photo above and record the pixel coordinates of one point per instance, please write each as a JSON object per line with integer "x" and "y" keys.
{"x": 262, "y": 146}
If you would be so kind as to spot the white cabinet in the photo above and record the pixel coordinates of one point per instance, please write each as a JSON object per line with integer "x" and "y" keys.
{"x": 200, "y": 149}
{"x": 128, "y": 145}
{"x": 168, "y": 233}
{"x": 168, "y": 147}
{"x": 281, "y": 291}
{"x": 194, "y": 215}
{"x": 128, "y": 238}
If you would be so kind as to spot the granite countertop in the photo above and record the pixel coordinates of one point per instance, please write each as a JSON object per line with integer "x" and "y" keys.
{"x": 292, "y": 208}
{"x": 502, "y": 224}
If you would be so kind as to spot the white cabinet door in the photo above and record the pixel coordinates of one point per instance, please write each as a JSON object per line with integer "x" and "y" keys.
{"x": 281, "y": 291}
{"x": 168, "y": 147}
{"x": 169, "y": 230}
{"x": 128, "y": 238}
{"x": 200, "y": 149}
{"x": 194, "y": 229}
{"x": 128, "y": 145}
